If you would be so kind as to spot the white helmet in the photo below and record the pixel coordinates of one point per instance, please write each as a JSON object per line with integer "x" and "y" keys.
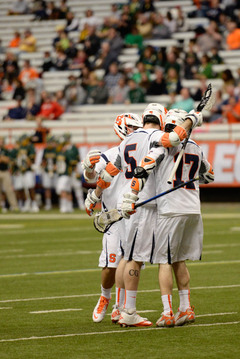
{"x": 175, "y": 117}
{"x": 124, "y": 121}
{"x": 160, "y": 109}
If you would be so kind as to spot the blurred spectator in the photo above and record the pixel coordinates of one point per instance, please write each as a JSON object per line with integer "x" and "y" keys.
{"x": 141, "y": 76}
{"x": 205, "y": 69}
{"x": 134, "y": 6}
{"x": 115, "y": 41}
{"x": 10, "y": 66}
{"x": 98, "y": 93}
{"x": 15, "y": 42}
{"x": 28, "y": 73}
{"x": 48, "y": 63}
{"x": 158, "y": 85}
{"x": 50, "y": 109}
{"x": 144, "y": 26}
{"x": 233, "y": 37}
{"x": 105, "y": 57}
{"x": 19, "y": 90}
{"x": 71, "y": 51}
{"x": 128, "y": 69}
{"x": 119, "y": 93}
{"x": 79, "y": 61}
{"x": 190, "y": 67}
{"x": 19, "y": 7}
{"x": 52, "y": 11}
{"x": 160, "y": 29}
{"x": 214, "y": 10}
{"x": 113, "y": 76}
{"x": 170, "y": 22}
{"x": 59, "y": 29}
{"x": 64, "y": 41}
{"x": 114, "y": 15}
{"x": 74, "y": 92}
{"x": 18, "y": 112}
{"x": 125, "y": 23}
{"x": 148, "y": 57}
{"x": 180, "y": 19}
{"x": 61, "y": 60}
{"x": 39, "y": 9}
{"x": 210, "y": 38}
{"x": 147, "y": 6}
{"x": 89, "y": 19}
{"x": 72, "y": 22}
{"x": 216, "y": 111}
{"x": 61, "y": 99}
{"x": 186, "y": 102}
{"x": 28, "y": 42}
{"x": 41, "y": 133}
{"x": 32, "y": 104}
{"x": 91, "y": 42}
{"x": 172, "y": 62}
{"x": 134, "y": 38}
{"x": 172, "y": 81}
{"x": 63, "y": 9}
{"x": 231, "y": 111}
{"x": 135, "y": 93}
{"x": 85, "y": 77}
{"x": 215, "y": 57}
{"x": 228, "y": 79}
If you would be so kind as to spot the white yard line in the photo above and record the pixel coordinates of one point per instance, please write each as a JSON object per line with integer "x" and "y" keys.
{"x": 97, "y": 294}
{"x": 57, "y": 311}
{"x": 43, "y": 216}
{"x": 11, "y": 226}
{"x": 120, "y": 331}
{"x": 3, "y": 308}
{"x": 53, "y": 254}
{"x": 11, "y": 251}
{"x": 214, "y": 314}
{"x": 221, "y": 245}
{"x": 48, "y": 230}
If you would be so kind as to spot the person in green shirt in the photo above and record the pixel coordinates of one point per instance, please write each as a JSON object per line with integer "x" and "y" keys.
{"x": 135, "y": 93}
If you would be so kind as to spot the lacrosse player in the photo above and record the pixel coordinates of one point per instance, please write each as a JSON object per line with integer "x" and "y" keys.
{"x": 112, "y": 243}
{"x": 179, "y": 229}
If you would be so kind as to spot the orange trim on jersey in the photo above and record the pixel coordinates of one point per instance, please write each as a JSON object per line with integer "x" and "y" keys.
{"x": 165, "y": 140}
{"x": 102, "y": 184}
{"x": 111, "y": 169}
{"x": 181, "y": 132}
{"x": 211, "y": 170}
{"x": 147, "y": 161}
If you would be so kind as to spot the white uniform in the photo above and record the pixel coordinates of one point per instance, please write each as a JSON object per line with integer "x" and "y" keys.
{"x": 179, "y": 233}
{"x": 113, "y": 239}
{"x": 140, "y": 228}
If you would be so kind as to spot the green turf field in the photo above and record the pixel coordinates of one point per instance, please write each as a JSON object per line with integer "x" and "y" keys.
{"x": 50, "y": 284}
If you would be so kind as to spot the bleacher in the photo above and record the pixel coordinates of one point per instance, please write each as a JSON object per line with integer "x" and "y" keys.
{"x": 94, "y": 123}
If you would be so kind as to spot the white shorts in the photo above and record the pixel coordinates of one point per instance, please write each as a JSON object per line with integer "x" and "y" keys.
{"x": 75, "y": 182}
{"x": 49, "y": 181}
{"x": 25, "y": 180}
{"x": 112, "y": 250}
{"x": 141, "y": 235}
{"x": 178, "y": 238}
{"x": 63, "y": 184}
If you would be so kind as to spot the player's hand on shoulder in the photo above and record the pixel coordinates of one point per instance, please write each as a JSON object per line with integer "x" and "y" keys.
{"x": 90, "y": 160}
{"x": 128, "y": 204}
{"x": 91, "y": 201}
{"x": 195, "y": 117}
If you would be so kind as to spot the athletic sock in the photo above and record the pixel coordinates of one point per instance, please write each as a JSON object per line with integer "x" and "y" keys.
{"x": 184, "y": 297}
{"x": 106, "y": 292}
{"x": 48, "y": 202}
{"x": 130, "y": 299}
{"x": 167, "y": 303}
{"x": 120, "y": 297}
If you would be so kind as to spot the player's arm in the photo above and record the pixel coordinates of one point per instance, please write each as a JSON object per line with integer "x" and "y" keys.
{"x": 206, "y": 173}
{"x": 173, "y": 139}
{"x": 88, "y": 165}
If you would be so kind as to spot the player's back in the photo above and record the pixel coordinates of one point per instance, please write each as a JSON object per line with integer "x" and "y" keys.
{"x": 186, "y": 199}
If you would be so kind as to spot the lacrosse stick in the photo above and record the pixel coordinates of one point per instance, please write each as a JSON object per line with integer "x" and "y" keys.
{"x": 104, "y": 220}
{"x": 205, "y": 103}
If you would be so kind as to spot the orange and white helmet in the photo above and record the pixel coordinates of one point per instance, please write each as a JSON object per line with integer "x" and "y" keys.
{"x": 124, "y": 121}
{"x": 161, "y": 109}
{"x": 175, "y": 117}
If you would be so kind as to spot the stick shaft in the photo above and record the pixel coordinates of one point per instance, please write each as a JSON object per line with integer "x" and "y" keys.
{"x": 166, "y": 192}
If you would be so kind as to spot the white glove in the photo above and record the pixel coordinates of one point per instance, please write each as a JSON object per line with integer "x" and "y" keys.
{"x": 91, "y": 201}
{"x": 196, "y": 118}
{"x": 90, "y": 160}
{"x": 127, "y": 208}
{"x": 207, "y": 177}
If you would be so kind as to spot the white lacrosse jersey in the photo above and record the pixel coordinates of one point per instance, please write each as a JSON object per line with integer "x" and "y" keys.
{"x": 131, "y": 151}
{"x": 110, "y": 194}
{"x": 186, "y": 199}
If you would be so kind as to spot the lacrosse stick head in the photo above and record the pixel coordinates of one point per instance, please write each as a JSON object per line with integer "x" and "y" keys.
{"x": 207, "y": 100}
{"x": 104, "y": 220}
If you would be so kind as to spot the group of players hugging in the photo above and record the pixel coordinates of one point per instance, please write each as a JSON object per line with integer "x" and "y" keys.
{"x": 59, "y": 173}
{"x": 166, "y": 231}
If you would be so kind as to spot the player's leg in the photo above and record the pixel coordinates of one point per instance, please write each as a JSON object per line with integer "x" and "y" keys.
{"x": 8, "y": 190}
{"x": 46, "y": 183}
{"x": 185, "y": 313}
{"x": 166, "y": 284}
{"x": 29, "y": 183}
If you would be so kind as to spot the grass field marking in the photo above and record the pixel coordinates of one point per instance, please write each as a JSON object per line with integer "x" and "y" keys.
{"x": 221, "y": 245}
{"x": 235, "y": 229}
{"x": 52, "y": 254}
{"x": 57, "y": 310}
{"x": 41, "y": 216}
{"x": 11, "y": 251}
{"x": 11, "y": 226}
{"x": 71, "y": 271}
{"x": 120, "y": 331}
{"x": 47, "y": 230}
{"x": 3, "y": 308}
{"x": 221, "y": 215}
{"x": 215, "y": 314}
{"x": 97, "y": 294}
{"x": 217, "y": 251}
